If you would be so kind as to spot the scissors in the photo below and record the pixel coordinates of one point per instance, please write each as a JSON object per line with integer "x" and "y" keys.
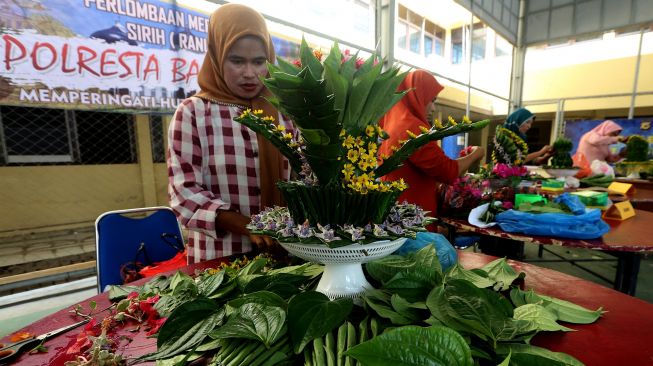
{"x": 11, "y": 350}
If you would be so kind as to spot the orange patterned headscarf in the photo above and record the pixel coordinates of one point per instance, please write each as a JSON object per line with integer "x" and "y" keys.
{"x": 227, "y": 24}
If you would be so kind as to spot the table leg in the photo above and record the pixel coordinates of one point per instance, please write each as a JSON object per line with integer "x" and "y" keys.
{"x": 627, "y": 271}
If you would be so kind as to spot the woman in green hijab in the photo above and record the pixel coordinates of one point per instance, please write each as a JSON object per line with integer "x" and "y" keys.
{"x": 520, "y": 122}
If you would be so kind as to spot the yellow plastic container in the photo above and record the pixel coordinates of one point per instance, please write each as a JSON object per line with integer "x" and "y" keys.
{"x": 553, "y": 185}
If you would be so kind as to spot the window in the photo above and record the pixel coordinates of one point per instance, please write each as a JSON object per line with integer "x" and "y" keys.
{"x": 428, "y": 45}
{"x": 45, "y": 136}
{"x": 36, "y": 135}
{"x": 502, "y": 47}
{"x": 479, "y": 36}
{"x": 402, "y": 32}
{"x": 457, "y": 46}
{"x": 157, "y": 137}
{"x": 414, "y": 36}
{"x": 105, "y": 138}
{"x": 434, "y": 37}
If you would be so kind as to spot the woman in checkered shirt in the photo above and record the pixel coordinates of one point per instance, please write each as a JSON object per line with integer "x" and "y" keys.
{"x": 219, "y": 171}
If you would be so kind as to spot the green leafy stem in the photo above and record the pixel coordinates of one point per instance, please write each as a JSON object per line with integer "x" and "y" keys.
{"x": 408, "y": 148}
{"x": 263, "y": 128}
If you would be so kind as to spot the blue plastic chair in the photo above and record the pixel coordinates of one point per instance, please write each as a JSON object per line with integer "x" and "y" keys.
{"x": 119, "y": 234}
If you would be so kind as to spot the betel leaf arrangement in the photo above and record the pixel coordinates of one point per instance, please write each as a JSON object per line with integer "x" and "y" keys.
{"x": 418, "y": 315}
{"x": 335, "y": 102}
{"x": 637, "y": 149}
{"x": 561, "y": 158}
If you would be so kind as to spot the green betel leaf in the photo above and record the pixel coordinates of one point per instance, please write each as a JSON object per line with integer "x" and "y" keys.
{"x": 527, "y": 355}
{"x": 315, "y": 136}
{"x": 313, "y": 315}
{"x": 541, "y": 318}
{"x": 386, "y": 268}
{"x": 414, "y": 346}
{"x": 358, "y": 96}
{"x": 410, "y": 285}
{"x": 412, "y": 310}
{"x": 283, "y": 284}
{"x": 464, "y": 307}
{"x": 337, "y": 86}
{"x": 260, "y": 297}
{"x": 564, "y": 310}
{"x": 458, "y": 272}
{"x": 309, "y": 60}
{"x": 500, "y": 271}
{"x": 380, "y": 303}
{"x": 187, "y": 326}
{"x": 259, "y": 322}
{"x": 211, "y": 284}
{"x": 285, "y": 66}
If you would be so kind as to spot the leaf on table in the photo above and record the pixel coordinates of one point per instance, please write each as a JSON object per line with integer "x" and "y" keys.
{"x": 313, "y": 315}
{"x": 501, "y": 272}
{"x": 541, "y": 318}
{"x": 458, "y": 272}
{"x": 187, "y": 326}
{"x": 254, "y": 321}
{"x": 414, "y": 346}
{"x": 528, "y": 355}
{"x": 564, "y": 310}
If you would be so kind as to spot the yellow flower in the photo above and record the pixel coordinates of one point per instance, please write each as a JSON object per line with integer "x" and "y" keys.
{"x": 352, "y": 155}
{"x": 348, "y": 169}
{"x": 287, "y": 136}
{"x": 452, "y": 121}
{"x": 245, "y": 113}
{"x": 369, "y": 131}
{"x": 349, "y": 142}
{"x": 258, "y": 112}
{"x": 411, "y": 134}
{"x": 359, "y": 141}
{"x": 269, "y": 118}
{"x": 342, "y": 132}
{"x": 394, "y": 148}
{"x": 466, "y": 119}
{"x": 423, "y": 129}
{"x": 372, "y": 147}
{"x": 384, "y": 156}
{"x": 364, "y": 164}
{"x": 279, "y": 128}
{"x": 438, "y": 124}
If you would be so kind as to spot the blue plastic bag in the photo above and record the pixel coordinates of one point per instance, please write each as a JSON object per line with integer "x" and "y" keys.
{"x": 576, "y": 206}
{"x": 587, "y": 225}
{"x": 445, "y": 251}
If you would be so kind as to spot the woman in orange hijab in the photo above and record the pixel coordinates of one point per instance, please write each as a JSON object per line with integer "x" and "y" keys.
{"x": 428, "y": 166}
{"x": 219, "y": 171}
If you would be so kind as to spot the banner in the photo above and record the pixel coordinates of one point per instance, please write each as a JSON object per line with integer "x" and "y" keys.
{"x": 101, "y": 54}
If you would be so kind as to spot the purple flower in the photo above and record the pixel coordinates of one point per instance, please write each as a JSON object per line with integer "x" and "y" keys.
{"x": 395, "y": 229}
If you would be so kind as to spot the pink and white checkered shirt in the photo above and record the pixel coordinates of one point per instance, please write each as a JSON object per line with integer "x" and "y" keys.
{"x": 212, "y": 165}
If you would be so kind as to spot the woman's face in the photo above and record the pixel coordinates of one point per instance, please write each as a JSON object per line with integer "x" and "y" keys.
{"x": 525, "y": 126}
{"x": 430, "y": 111}
{"x": 244, "y": 64}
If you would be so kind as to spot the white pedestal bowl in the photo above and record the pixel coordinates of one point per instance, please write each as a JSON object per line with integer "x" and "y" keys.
{"x": 343, "y": 274}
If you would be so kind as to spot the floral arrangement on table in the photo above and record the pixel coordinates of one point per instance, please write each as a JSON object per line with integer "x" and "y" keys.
{"x": 562, "y": 153}
{"x": 335, "y": 102}
{"x": 508, "y": 148}
{"x": 263, "y": 314}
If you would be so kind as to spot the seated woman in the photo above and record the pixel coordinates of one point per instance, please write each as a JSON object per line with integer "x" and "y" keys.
{"x": 428, "y": 166}
{"x": 519, "y": 122}
{"x": 595, "y": 144}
